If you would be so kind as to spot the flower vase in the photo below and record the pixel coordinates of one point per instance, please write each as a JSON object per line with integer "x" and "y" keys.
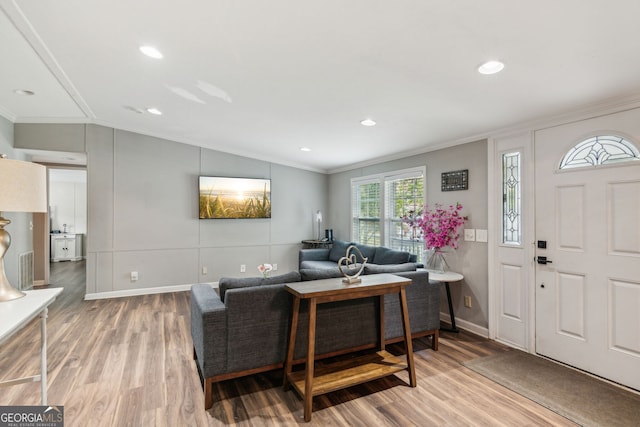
{"x": 436, "y": 260}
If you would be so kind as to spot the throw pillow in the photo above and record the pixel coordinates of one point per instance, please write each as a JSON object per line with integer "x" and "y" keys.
{"x": 226, "y": 283}
{"x": 368, "y": 252}
{"x": 390, "y": 256}
{"x": 393, "y": 268}
{"x": 338, "y": 250}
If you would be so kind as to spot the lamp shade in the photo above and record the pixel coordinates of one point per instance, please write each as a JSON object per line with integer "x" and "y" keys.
{"x": 23, "y": 186}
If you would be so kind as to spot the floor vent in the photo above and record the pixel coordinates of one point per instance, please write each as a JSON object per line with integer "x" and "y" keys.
{"x": 26, "y": 270}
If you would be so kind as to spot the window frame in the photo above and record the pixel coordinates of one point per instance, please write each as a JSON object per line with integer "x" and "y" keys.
{"x": 383, "y": 179}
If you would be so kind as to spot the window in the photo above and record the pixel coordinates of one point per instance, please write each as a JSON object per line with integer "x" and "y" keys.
{"x": 378, "y": 205}
{"x": 511, "y": 210}
{"x": 366, "y": 207}
{"x": 600, "y": 150}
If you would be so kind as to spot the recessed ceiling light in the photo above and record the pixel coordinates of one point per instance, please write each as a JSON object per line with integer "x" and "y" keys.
{"x": 491, "y": 67}
{"x": 305, "y": 149}
{"x": 151, "y": 52}
{"x": 368, "y": 122}
{"x": 134, "y": 109}
{"x": 155, "y": 111}
{"x": 24, "y": 92}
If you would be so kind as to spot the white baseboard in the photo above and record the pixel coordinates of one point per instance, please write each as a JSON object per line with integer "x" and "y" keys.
{"x": 143, "y": 291}
{"x": 466, "y": 325}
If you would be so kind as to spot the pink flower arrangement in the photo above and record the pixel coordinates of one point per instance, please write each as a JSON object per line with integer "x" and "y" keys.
{"x": 265, "y": 269}
{"x": 438, "y": 227}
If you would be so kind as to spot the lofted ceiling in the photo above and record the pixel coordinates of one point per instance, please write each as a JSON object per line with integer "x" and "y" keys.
{"x": 265, "y": 78}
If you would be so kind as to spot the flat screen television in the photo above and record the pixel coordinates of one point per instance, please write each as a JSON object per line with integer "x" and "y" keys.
{"x": 225, "y": 198}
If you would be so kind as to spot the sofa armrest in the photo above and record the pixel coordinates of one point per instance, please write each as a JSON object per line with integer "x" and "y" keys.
{"x": 315, "y": 254}
{"x": 209, "y": 330}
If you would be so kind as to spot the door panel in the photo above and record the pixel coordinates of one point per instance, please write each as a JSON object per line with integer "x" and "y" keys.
{"x": 570, "y": 217}
{"x": 625, "y": 331}
{"x": 624, "y": 199}
{"x": 571, "y": 304}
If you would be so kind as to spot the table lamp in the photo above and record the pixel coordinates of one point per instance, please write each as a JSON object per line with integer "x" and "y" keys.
{"x": 319, "y": 221}
{"x": 23, "y": 188}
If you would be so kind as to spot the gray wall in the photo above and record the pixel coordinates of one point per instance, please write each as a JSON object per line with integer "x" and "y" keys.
{"x": 472, "y": 257}
{"x": 20, "y": 227}
{"x": 143, "y": 209}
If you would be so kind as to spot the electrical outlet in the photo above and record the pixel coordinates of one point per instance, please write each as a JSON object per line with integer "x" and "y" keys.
{"x": 275, "y": 267}
{"x": 134, "y": 276}
{"x": 243, "y": 268}
{"x": 204, "y": 271}
{"x": 470, "y": 234}
{"x": 467, "y": 301}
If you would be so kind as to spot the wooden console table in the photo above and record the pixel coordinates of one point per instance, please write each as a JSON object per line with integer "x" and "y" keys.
{"x": 16, "y": 314}
{"x": 355, "y": 371}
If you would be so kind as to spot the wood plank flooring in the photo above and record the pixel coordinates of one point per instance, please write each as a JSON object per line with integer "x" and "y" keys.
{"x": 128, "y": 362}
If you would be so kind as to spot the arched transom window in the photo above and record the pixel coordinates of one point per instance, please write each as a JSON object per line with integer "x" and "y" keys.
{"x": 600, "y": 150}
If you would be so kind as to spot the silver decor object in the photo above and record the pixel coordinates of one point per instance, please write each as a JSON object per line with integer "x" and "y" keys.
{"x": 23, "y": 188}
{"x": 351, "y": 265}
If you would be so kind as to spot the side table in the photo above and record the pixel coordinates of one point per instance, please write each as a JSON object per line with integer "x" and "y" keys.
{"x": 446, "y": 277}
{"x": 16, "y": 314}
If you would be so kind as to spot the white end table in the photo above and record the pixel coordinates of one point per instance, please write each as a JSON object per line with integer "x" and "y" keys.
{"x": 16, "y": 314}
{"x": 446, "y": 277}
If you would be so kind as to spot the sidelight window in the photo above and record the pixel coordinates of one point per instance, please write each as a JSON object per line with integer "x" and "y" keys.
{"x": 511, "y": 201}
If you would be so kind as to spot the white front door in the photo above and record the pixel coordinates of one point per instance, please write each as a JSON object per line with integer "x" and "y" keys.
{"x": 588, "y": 292}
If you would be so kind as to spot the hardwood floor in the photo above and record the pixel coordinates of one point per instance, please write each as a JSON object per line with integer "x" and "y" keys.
{"x": 128, "y": 362}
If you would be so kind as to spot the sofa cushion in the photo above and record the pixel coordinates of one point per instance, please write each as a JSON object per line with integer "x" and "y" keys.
{"x": 319, "y": 274}
{"x": 338, "y": 250}
{"x": 317, "y": 265}
{"x": 394, "y": 268}
{"x": 367, "y": 251}
{"x": 226, "y": 283}
{"x": 389, "y": 256}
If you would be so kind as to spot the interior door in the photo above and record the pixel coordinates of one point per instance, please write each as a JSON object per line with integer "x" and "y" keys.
{"x": 588, "y": 228}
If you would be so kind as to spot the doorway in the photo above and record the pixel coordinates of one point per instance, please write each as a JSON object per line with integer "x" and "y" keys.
{"x": 67, "y": 217}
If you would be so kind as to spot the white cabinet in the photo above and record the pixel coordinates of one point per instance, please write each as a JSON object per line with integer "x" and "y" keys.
{"x": 66, "y": 247}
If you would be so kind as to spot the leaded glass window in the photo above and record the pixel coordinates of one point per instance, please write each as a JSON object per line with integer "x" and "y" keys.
{"x": 600, "y": 150}
{"x": 511, "y": 206}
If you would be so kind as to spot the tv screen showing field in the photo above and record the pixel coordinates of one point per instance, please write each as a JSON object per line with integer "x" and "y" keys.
{"x": 234, "y": 197}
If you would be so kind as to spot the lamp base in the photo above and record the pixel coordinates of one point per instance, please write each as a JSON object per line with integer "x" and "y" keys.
{"x": 7, "y": 292}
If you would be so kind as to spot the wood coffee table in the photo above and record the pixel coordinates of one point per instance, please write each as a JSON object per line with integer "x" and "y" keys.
{"x": 354, "y": 371}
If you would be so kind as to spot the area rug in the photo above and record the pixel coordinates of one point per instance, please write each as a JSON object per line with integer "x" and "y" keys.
{"x": 575, "y": 395}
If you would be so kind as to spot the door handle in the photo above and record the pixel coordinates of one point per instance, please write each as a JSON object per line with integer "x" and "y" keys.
{"x": 543, "y": 260}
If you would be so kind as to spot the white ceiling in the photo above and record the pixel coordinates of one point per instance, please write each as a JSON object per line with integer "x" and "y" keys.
{"x": 264, "y": 78}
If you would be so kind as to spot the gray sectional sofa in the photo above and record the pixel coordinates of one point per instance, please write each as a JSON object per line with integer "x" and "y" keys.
{"x": 244, "y": 329}
{"x": 320, "y": 258}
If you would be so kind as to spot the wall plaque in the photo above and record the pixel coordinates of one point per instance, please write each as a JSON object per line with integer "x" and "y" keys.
{"x": 455, "y": 180}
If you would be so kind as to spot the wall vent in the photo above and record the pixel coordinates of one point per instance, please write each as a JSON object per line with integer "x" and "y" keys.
{"x": 26, "y": 270}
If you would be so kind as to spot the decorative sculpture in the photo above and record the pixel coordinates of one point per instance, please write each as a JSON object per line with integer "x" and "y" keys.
{"x": 349, "y": 261}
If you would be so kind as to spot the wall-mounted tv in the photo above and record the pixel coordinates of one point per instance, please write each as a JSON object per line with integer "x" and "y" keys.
{"x": 222, "y": 197}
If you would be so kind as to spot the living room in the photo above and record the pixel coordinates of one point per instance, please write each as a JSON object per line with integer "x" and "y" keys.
{"x": 142, "y": 200}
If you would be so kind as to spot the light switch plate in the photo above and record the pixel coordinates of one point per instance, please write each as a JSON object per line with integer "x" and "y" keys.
{"x": 469, "y": 235}
{"x": 481, "y": 235}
